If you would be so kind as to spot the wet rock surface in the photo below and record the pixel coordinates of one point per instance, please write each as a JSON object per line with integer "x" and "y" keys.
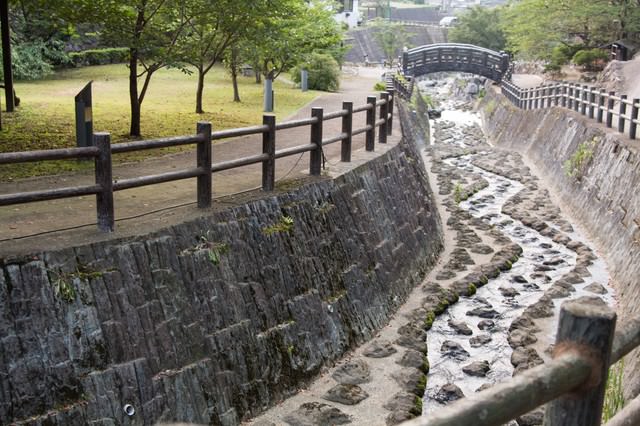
{"x": 317, "y": 414}
{"x": 346, "y": 394}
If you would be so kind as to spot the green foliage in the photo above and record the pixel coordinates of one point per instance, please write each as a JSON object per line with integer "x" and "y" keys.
{"x": 534, "y": 28}
{"x": 613, "y": 397}
{"x": 428, "y": 100}
{"x": 380, "y": 87}
{"x": 591, "y": 59}
{"x": 110, "y": 55}
{"x": 428, "y": 320}
{"x": 285, "y": 224}
{"x": 471, "y": 290}
{"x": 576, "y": 165}
{"x": 213, "y": 249}
{"x": 63, "y": 281}
{"x": 323, "y": 72}
{"x": 416, "y": 410}
{"x": 391, "y": 37}
{"x": 459, "y": 194}
{"x": 30, "y": 61}
{"x": 480, "y": 26}
{"x": 490, "y": 107}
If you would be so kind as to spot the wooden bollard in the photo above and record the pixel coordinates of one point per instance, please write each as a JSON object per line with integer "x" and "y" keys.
{"x": 382, "y": 135}
{"x": 622, "y": 112}
{"x": 371, "y": 123}
{"x": 586, "y": 328}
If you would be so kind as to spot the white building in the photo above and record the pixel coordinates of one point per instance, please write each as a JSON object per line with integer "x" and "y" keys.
{"x": 348, "y": 13}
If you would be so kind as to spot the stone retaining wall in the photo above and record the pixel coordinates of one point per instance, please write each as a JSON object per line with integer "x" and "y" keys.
{"x": 599, "y": 185}
{"x": 216, "y": 319}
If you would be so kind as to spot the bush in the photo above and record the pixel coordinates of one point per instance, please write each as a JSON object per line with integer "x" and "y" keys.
{"x": 592, "y": 59}
{"x": 29, "y": 61}
{"x": 111, "y": 55}
{"x": 379, "y": 87}
{"x": 323, "y": 72}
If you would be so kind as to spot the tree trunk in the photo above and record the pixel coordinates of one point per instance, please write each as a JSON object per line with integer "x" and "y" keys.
{"x": 133, "y": 93}
{"x": 200, "y": 91}
{"x": 258, "y": 75}
{"x": 234, "y": 74}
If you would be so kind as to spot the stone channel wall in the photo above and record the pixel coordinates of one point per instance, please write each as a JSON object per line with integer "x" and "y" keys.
{"x": 597, "y": 175}
{"x": 216, "y": 319}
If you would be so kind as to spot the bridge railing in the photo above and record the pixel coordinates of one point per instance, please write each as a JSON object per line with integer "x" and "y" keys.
{"x": 573, "y": 382}
{"x": 401, "y": 85}
{"x": 593, "y": 102}
{"x": 379, "y": 115}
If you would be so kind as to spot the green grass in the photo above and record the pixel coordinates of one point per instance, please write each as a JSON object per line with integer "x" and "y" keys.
{"x": 46, "y": 117}
{"x": 613, "y": 397}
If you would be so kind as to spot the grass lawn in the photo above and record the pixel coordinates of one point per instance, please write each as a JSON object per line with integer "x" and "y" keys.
{"x": 46, "y": 116}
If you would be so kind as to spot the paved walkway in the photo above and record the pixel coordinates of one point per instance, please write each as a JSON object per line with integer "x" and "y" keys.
{"x": 58, "y": 223}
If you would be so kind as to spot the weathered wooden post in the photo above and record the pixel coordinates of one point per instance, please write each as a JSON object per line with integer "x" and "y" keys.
{"x": 203, "y": 160}
{"x": 610, "y": 105}
{"x": 268, "y": 95}
{"x": 634, "y": 118}
{"x": 382, "y": 136}
{"x": 104, "y": 178}
{"x": 622, "y": 111}
{"x": 392, "y": 97}
{"x": 564, "y": 95}
{"x": 530, "y": 99}
{"x": 269, "y": 148}
{"x": 583, "y": 104}
{"x": 347, "y": 128}
{"x": 536, "y": 96}
{"x": 592, "y": 102}
{"x": 577, "y": 96}
{"x": 315, "y": 159}
{"x": 600, "y": 112}
{"x": 371, "y": 123}
{"x": 586, "y": 328}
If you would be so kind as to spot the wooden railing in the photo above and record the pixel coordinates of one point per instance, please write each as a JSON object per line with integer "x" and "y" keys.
{"x": 102, "y": 151}
{"x": 401, "y": 85}
{"x": 589, "y": 101}
{"x": 573, "y": 382}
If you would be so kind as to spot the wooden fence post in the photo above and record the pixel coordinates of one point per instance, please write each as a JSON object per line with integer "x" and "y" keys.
{"x": 610, "y": 104}
{"x": 371, "y": 121}
{"x": 586, "y": 328}
{"x": 634, "y": 117}
{"x": 203, "y": 160}
{"x": 269, "y": 148}
{"x": 622, "y": 112}
{"x": 583, "y": 104}
{"x": 530, "y": 96}
{"x": 592, "y": 102}
{"x": 564, "y": 95}
{"x": 600, "y": 112}
{"x": 537, "y": 98}
{"x": 347, "y": 128}
{"x": 315, "y": 159}
{"x": 104, "y": 178}
{"x": 392, "y": 97}
{"x": 382, "y": 134}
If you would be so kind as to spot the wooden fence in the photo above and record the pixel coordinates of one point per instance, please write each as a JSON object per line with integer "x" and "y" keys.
{"x": 589, "y": 101}
{"x": 400, "y": 85}
{"x": 379, "y": 114}
{"x": 573, "y": 382}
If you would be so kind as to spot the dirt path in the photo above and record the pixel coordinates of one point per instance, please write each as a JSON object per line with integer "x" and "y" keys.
{"x": 48, "y": 224}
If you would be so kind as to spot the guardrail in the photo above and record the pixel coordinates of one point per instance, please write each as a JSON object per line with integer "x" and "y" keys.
{"x": 589, "y": 101}
{"x": 573, "y": 382}
{"x": 401, "y": 85}
{"x": 102, "y": 151}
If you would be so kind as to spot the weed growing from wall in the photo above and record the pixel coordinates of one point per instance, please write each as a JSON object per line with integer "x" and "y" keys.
{"x": 576, "y": 166}
{"x": 285, "y": 224}
{"x": 613, "y": 397}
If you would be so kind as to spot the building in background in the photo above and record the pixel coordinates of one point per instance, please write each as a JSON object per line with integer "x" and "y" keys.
{"x": 348, "y": 13}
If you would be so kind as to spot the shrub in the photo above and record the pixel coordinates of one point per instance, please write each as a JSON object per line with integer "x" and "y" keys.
{"x": 111, "y": 55}
{"x": 323, "y": 72}
{"x": 379, "y": 87}
{"x": 592, "y": 59}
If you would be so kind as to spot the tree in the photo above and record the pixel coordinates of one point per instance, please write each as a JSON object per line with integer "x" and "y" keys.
{"x": 150, "y": 29}
{"x": 534, "y": 27}
{"x": 288, "y": 36}
{"x": 215, "y": 25}
{"x": 391, "y": 37}
{"x": 479, "y": 26}
{"x": 323, "y": 72}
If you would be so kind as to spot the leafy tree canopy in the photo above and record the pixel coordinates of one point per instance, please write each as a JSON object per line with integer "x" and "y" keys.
{"x": 479, "y": 26}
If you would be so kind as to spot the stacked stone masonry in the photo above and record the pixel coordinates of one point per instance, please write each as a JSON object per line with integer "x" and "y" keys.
{"x": 214, "y": 320}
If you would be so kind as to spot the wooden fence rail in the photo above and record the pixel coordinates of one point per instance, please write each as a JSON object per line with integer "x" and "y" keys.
{"x": 204, "y": 168}
{"x": 593, "y": 102}
{"x": 572, "y": 383}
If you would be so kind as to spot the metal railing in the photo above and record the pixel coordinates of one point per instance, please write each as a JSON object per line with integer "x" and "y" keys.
{"x": 589, "y": 101}
{"x": 573, "y": 382}
{"x": 102, "y": 151}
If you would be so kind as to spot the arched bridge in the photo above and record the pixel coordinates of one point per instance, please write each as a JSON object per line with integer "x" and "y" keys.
{"x": 455, "y": 57}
